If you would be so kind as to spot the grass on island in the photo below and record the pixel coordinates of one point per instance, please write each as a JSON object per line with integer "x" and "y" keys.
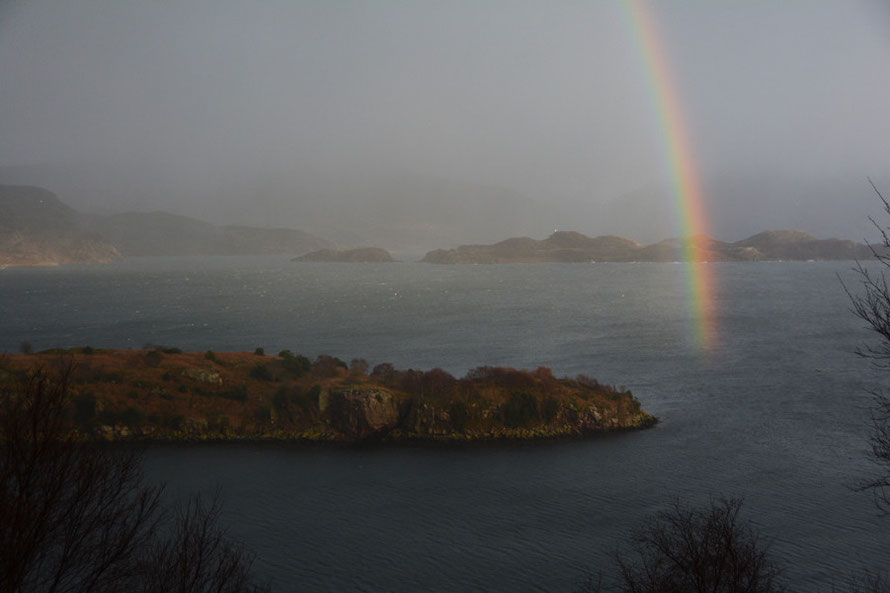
{"x": 165, "y": 393}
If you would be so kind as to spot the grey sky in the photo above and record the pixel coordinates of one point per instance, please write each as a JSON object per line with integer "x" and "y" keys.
{"x": 549, "y": 99}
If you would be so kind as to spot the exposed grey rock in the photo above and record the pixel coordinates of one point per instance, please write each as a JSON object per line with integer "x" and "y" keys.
{"x": 203, "y": 375}
{"x": 358, "y": 414}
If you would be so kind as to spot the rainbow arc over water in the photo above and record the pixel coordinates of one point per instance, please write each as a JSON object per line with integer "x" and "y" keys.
{"x": 689, "y": 199}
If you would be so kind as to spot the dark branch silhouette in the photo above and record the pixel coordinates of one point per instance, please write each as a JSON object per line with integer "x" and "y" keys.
{"x": 77, "y": 517}
{"x": 872, "y": 304}
{"x": 689, "y": 550}
{"x": 197, "y": 557}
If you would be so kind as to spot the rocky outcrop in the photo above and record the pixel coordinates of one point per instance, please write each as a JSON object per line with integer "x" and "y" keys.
{"x": 359, "y": 415}
{"x": 590, "y": 419}
{"x": 424, "y": 419}
{"x": 208, "y": 376}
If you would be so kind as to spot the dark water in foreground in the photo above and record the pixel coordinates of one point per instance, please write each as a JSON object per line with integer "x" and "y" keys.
{"x": 776, "y": 412}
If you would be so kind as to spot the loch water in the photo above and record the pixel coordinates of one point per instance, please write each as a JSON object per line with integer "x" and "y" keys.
{"x": 776, "y": 411}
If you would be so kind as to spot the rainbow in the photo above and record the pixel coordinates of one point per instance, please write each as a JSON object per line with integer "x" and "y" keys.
{"x": 686, "y": 184}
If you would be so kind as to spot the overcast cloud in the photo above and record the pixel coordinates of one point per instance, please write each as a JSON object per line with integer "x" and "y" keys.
{"x": 547, "y": 99}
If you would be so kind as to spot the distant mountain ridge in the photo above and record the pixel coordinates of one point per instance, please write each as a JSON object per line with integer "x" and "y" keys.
{"x": 408, "y": 211}
{"x": 162, "y": 233}
{"x": 570, "y": 246}
{"x": 401, "y": 212}
{"x": 37, "y": 229}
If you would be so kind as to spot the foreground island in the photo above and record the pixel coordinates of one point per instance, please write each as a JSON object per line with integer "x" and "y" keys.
{"x": 164, "y": 394}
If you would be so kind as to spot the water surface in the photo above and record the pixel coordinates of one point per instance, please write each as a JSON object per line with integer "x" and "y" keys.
{"x": 776, "y": 412}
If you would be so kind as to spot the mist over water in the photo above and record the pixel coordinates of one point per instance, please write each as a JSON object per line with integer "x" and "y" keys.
{"x": 377, "y": 123}
{"x": 777, "y": 412}
{"x": 413, "y": 126}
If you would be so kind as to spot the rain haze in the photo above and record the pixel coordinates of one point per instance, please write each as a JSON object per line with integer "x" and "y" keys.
{"x": 414, "y": 125}
{"x": 444, "y": 295}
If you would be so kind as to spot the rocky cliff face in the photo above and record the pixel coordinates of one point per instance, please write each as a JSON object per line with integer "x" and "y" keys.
{"x": 359, "y": 415}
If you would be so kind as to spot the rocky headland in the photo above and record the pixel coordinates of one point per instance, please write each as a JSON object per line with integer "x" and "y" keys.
{"x": 571, "y": 247}
{"x": 164, "y": 394}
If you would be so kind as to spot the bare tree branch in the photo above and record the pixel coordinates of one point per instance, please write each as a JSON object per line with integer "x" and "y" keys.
{"x": 871, "y": 303}
{"x": 686, "y": 550}
{"x": 76, "y": 517}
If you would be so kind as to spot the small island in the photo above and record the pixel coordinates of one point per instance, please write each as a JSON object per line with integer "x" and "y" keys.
{"x": 359, "y": 255}
{"x": 163, "y": 394}
{"x": 572, "y": 247}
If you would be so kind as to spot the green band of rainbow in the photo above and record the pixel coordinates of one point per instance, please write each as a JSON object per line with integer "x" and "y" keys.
{"x": 686, "y": 185}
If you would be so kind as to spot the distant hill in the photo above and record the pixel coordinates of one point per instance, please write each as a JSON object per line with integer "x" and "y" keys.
{"x": 362, "y": 254}
{"x": 566, "y": 246}
{"x": 800, "y": 245}
{"x": 401, "y": 213}
{"x": 162, "y": 233}
{"x": 398, "y": 212}
{"x": 410, "y": 212}
{"x": 562, "y": 246}
{"x": 36, "y": 229}
{"x": 739, "y": 205}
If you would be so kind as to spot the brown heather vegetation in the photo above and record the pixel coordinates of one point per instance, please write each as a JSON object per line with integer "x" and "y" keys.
{"x": 163, "y": 393}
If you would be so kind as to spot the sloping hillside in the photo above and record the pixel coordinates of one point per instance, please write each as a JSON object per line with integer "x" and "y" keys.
{"x": 36, "y": 229}
{"x": 162, "y": 233}
{"x": 799, "y": 245}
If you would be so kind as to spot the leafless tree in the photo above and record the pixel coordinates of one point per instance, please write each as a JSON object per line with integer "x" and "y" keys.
{"x": 196, "y": 557}
{"x": 77, "y": 517}
{"x": 880, "y": 452}
{"x": 685, "y": 550}
{"x": 872, "y": 304}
